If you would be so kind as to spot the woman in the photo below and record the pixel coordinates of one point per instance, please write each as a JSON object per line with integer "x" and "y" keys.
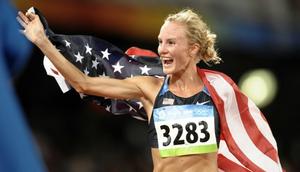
{"x": 183, "y": 120}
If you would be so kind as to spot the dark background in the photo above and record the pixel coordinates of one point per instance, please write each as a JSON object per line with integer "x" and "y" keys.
{"x": 75, "y": 136}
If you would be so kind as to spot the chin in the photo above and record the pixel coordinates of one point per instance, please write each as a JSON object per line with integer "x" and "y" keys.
{"x": 168, "y": 71}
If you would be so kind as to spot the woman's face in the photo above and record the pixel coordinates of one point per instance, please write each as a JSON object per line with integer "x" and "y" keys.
{"x": 173, "y": 48}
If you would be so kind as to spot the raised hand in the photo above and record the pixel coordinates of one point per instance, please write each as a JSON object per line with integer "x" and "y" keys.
{"x": 33, "y": 28}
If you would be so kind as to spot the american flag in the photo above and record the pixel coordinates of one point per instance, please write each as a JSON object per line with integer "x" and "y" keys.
{"x": 98, "y": 58}
{"x": 246, "y": 140}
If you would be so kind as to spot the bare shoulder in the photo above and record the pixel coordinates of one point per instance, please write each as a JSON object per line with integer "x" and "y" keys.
{"x": 149, "y": 85}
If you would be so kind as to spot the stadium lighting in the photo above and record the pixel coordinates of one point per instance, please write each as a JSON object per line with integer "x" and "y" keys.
{"x": 260, "y": 85}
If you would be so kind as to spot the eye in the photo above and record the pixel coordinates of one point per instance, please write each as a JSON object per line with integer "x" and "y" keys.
{"x": 159, "y": 42}
{"x": 171, "y": 42}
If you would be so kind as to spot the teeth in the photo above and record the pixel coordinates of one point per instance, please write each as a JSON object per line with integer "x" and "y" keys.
{"x": 165, "y": 58}
{"x": 168, "y": 62}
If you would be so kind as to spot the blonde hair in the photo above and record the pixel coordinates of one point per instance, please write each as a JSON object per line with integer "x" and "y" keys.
{"x": 197, "y": 32}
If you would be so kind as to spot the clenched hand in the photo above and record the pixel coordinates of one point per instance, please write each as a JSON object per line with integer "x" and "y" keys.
{"x": 33, "y": 28}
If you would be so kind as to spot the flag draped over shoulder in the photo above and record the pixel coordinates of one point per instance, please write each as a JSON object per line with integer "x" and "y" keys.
{"x": 246, "y": 140}
{"x": 246, "y": 144}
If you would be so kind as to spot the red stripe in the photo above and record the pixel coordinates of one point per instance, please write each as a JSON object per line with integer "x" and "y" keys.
{"x": 140, "y": 52}
{"x": 225, "y": 132}
{"x": 228, "y": 165}
{"x": 54, "y": 71}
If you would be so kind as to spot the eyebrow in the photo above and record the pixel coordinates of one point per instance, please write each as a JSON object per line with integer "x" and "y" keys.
{"x": 168, "y": 39}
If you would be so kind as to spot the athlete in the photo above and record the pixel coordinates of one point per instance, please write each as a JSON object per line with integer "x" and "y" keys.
{"x": 183, "y": 121}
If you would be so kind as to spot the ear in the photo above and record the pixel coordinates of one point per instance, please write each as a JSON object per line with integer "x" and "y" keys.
{"x": 194, "y": 49}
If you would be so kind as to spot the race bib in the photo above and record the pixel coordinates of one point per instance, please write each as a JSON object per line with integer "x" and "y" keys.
{"x": 185, "y": 130}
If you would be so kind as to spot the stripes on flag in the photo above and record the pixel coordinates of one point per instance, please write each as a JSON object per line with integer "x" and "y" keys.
{"x": 243, "y": 128}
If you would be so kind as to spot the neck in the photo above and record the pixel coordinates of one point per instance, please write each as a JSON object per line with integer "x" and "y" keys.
{"x": 186, "y": 82}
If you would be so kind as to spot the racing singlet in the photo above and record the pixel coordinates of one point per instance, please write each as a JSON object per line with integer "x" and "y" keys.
{"x": 183, "y": 126}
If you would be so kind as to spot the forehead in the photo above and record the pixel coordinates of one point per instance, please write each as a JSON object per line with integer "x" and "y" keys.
{"x": 172, "y": 30}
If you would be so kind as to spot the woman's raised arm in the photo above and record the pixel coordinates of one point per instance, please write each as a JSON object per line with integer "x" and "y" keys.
{"x": 99, "y": 86}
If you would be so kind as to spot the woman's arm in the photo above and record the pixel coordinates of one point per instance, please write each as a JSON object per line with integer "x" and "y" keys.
{"x": 99, "y": 86}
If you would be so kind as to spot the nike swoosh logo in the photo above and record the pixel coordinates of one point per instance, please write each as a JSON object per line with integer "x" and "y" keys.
{"x": 202, "y": 103}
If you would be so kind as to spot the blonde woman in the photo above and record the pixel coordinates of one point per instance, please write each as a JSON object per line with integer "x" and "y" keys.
{"x": 188, "y": 111}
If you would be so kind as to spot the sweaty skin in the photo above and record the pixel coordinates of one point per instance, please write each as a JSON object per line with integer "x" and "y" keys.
{"x": 179, "y": 62}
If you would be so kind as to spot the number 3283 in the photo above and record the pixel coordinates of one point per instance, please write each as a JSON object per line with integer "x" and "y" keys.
{"x": 191, "y": 133}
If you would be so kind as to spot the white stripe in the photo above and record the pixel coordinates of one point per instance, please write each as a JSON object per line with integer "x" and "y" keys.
{"x": 262, "y": 125}
{"x": 223, "y": 149}
{"x": 235, "y": 124}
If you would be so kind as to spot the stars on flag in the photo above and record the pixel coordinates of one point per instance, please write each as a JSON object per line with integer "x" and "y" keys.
{"x": 82, "y": 95}
{"x": 86, "y": 71}
{"x": 105, "y": 54}
{"x": 79, "y": 57}
{"x": 107, "y": 108}
{"x": 131, "y": 108}
{"x": 95, "y": 64}
{"x": 145, "y": 70}
{"x": 68, "y": 44}
{"x": 101, "y": 59}
{"x": 117, "y": 67}
{"x": 88, "y": 49}
{"x": 140, "y": 105}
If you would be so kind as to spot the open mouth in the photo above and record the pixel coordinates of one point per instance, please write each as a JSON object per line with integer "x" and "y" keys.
{"x": 167, "y": 61}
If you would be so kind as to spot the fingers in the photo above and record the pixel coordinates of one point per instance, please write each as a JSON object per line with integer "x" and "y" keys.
{"x": 22, "y": 23}
{"x": 31, "y": 16}
{"x": 23, "y": 17}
